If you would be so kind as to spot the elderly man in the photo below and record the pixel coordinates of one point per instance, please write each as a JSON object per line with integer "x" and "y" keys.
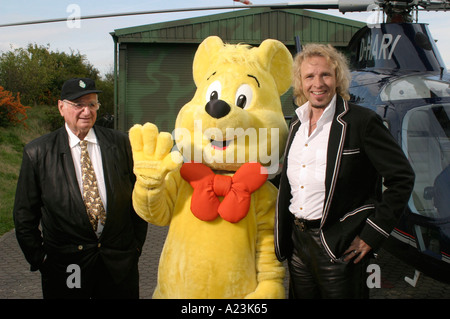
{"x": 76, "y": 184}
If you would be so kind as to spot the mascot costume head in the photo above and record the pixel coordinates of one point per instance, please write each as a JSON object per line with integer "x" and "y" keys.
{"x": 219, "y": 204}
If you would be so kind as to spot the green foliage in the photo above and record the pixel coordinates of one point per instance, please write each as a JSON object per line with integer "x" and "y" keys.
{"x": 9, "y": 138}
{"x": 39, "y": 73}
{"x": 52, "y": 119}
{"x": 106, "y": 98}
{"x": 12, "y": 141}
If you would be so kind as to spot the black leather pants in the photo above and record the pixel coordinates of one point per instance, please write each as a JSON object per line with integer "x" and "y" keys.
{"x": 314, "y": 275}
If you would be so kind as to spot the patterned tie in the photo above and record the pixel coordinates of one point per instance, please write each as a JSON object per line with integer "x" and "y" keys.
{"x": 236, "y": 190}
{"x": 91, "y": 194}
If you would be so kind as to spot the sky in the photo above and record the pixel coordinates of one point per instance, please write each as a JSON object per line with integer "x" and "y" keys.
{"x": 92, "y": 37}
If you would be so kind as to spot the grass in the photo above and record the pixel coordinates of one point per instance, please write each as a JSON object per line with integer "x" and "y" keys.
{"x": 12, "y": 141}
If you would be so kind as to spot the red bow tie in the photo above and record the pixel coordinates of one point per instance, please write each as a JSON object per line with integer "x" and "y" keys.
{"x": 237, "y": 190}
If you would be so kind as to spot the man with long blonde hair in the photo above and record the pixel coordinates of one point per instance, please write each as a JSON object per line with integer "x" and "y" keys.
{"x": 331, "y": 211}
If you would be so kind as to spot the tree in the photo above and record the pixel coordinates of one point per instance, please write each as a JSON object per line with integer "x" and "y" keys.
{"x": 26, "y": 71}
{"x": 38, "y": 73}
{"x": 106, "y": 85}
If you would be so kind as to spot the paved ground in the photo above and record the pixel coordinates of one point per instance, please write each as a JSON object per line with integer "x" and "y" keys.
{"x": 17, "y": 282}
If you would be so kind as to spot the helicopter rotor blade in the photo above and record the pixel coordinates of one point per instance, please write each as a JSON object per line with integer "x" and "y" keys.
{"x": 123, "y": 14}
{"x": 442, "y": 5}
{"x": 343, "y": 6}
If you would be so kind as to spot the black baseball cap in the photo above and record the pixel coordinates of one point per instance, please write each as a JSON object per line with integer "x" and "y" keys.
{"x": 77, "y": 87}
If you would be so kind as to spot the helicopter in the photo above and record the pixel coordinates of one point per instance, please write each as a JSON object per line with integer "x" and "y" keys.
{"x": 398, "y": 72}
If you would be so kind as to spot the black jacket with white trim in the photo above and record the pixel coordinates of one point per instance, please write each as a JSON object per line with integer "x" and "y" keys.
{"x": 361, "y": 155}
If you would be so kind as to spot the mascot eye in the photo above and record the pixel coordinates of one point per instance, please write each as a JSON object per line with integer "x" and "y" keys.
{"x": 244, "y": 96}
{"x": 214, "y": 95}
{"x": 213, "y": 92}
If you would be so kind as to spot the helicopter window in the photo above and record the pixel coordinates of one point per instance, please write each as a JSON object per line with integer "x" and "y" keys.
{"x": 414, "y": 87}
{"x": 426, "y": 141}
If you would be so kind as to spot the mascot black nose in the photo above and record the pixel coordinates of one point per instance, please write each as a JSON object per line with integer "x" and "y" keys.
{"x": 217, "y": 108}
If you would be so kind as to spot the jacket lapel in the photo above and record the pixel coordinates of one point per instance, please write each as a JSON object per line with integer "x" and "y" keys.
{"x": 335, "y": 148}
{"x": 69, "y": 170}
{"x": 293, "y": 128}
{"x": 108, "y": 154}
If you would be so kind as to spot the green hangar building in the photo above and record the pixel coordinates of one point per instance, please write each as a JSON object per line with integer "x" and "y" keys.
{"x": 153, "y": 65}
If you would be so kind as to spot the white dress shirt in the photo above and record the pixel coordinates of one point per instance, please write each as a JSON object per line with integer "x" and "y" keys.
{"x": 307, "y": 162}
{"x": 96, "y": 160}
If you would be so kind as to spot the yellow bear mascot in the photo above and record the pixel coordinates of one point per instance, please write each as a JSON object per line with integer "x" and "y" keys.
{"x": 219, "y": 204}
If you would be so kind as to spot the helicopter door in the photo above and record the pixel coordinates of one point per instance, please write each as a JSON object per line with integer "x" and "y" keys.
{"x": 426, "y": 141}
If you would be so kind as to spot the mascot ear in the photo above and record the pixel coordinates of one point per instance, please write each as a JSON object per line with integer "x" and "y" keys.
{"x": 205, "y": 54}
{"x": 278, "y": 61}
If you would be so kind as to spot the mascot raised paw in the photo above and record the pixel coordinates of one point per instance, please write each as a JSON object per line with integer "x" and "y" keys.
{"x": 213, "y": 188}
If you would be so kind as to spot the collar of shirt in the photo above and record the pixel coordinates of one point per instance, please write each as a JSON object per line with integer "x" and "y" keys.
{"x": 74, "y": 140}
{"x": 303, "y": 112}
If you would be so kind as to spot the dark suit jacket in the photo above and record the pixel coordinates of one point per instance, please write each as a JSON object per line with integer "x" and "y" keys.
{"x": 360, "y": 151}
{"x": 48, "y": 196}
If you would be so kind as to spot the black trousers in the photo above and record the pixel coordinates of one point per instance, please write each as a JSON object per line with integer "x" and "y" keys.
{"x": 95, "y": 282}
{"x": 314, "y": 275}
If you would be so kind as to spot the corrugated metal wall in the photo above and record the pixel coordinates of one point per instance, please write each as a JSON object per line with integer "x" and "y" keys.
{"x": 159, "y": 81}
{"x": 249, "y": 26}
